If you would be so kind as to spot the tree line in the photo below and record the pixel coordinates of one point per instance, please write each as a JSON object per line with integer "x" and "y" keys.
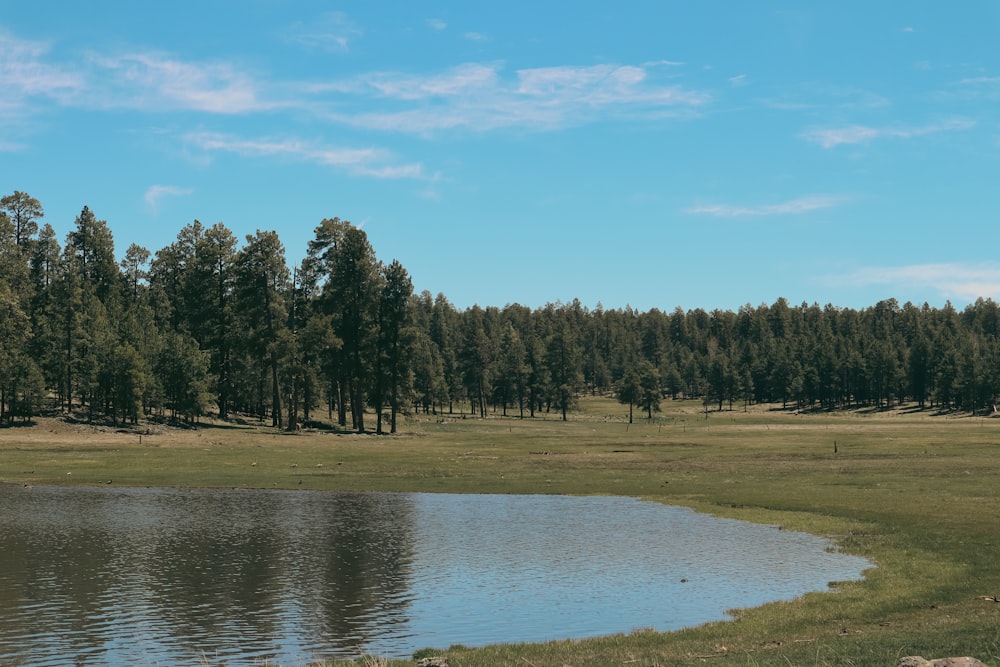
{"x": 212, "y": 324}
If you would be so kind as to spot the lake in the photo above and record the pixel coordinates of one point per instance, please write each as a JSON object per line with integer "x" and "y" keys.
{"x": 181, "y": 576}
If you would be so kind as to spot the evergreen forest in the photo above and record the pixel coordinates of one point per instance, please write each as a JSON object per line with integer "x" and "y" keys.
{"x": 213, "y": 324}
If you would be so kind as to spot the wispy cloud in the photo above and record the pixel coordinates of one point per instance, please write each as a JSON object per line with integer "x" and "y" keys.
{"x": 973, "y": 88}
{"x": 155, "y": 193}
{"x": 480, "y": 97}
{"x": 393, "y": 171}
{"x": 791, "y": 207}
{"x": 149, "y": 81}
{"x": 332, "y": 32}
{"x": 473, "y": 36}
{"x": 25, "y": 74}
{"x": 473, "y": 96}
{"x": 979, "y": 81}
{"x": 144, "y": 81}
{"x": 462, "y": 80}
{"x": 308, "y": 151}
{"x": 856, "y": 134}
{"x": 371, "y": 162}
{"x": 966, "y": 282}
{"x": 436, "y": 24}
{"x": 830, "y": 137}
{"x": 826, "y": 96}
{"x": 663, "y": 63}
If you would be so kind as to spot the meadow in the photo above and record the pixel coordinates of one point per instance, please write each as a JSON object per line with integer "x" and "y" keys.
{"x": 915, "y": 491}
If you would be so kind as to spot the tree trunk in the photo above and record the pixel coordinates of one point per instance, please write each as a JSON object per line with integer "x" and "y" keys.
{"x": 357, "y": 407}
{"x": 275, "y": 395}
{"x": 341, "y": 405}
{"x": 394, "y": 406}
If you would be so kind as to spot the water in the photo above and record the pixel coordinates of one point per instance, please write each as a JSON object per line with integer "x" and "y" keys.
{"x": 166, "y": 577}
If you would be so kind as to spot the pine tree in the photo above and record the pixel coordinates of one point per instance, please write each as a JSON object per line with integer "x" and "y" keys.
{"x": 563, "y": 362}
{"x": 24, "y": 211}
{"x": 343, "y": 264}
{"x": 393, "y": 341}
{"x": 262, "y": 280}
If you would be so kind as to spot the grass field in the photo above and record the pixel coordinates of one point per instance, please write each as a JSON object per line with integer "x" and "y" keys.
{"x": 917, "y": 493}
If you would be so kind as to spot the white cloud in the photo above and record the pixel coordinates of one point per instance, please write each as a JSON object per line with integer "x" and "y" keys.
{"x": 332, "y": 32}
{"x": 856, "y": 134}
{"x": 461, "y": 80}
{"x": 663, "y": 63}
{"x": 830, "y": 137}
{"x": 474, "y": 96}
{"x": 154, "y": 82}
{"x": 475, "y": 37}
{"x": 157, "y": 192}
{"x": 141, "y": 80}
{"x": 965, "y": 282}
{"x": 479, "y": 97}
{"x": 975, "y": 88}
{"x": 436, "y": 24}
{"x": 791, "y": 207}
{"x": 579, "y": 82}
{"x": 24, "y": 74}
{"x": 738, "y": 80}
{"x": 826, "y": 96}
{"x": 392, "y": 171}
{"x": 362, "y": 161}
{"x": 11, "y": 147}
{"x": 979, "y": 81}
{"x": 289, "y": 147}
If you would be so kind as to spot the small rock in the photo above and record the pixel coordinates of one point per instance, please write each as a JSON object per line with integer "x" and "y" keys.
{"x": 920, "y": 661}
{"x": 437, "y": 661}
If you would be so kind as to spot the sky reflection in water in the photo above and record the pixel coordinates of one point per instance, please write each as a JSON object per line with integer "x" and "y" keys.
{"x": 161, "y": 576}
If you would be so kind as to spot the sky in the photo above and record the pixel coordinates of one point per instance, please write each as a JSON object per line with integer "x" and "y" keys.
{"x": 652, "y": 154}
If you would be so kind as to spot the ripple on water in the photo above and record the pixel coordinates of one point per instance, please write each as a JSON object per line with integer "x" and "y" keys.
{"x": 159, "y": 576}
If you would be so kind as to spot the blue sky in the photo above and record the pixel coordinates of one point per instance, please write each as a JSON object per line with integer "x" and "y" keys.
{"x": 654, "y": 154}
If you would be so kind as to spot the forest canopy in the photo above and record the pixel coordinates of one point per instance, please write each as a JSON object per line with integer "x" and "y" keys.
{"x": 213, "y": 323}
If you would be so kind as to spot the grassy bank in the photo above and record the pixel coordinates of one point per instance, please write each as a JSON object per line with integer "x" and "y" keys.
{"x": 917, "y": 493}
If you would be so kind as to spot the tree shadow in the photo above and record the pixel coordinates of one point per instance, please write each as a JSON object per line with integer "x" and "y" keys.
{"x": 19, "y": 424}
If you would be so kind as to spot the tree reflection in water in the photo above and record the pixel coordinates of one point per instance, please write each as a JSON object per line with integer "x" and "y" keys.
{"x": 155, "y": 576}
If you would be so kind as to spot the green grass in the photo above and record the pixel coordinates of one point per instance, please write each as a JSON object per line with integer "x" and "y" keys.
{"x": 918, "y": 494}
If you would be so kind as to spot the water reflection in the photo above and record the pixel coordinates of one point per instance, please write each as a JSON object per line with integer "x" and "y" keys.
{"x": 163, "y": 576}
{"x": 156, "y": 576}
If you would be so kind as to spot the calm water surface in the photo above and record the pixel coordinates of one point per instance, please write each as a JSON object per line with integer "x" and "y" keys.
{"x": 167, "y": 577}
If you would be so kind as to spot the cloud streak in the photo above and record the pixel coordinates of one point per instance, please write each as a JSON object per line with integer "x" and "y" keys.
{"x": 156, "y": 82}
{"x": 483, "y": 97}
{"x": 155, "y": 193}
{"x": 966, "y": 282}
{"x": 792, "y": 207}
{"x": 332, "y": 32}
{"x": 857, "y": 134}
{"x": 143, "y": 81}
{"x": 371, "y": 162}
{"x": 478, "y": 97}
{"x": 825, "y": 96}
{"x": 24, "y": 75}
